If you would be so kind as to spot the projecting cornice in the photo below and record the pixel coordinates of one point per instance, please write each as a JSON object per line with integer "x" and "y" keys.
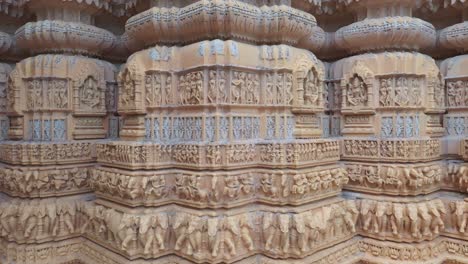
{"x": 403, "y": 33}
{"x": 455, "y": 37}
{"x": 59, "y": 36}
{"x": 227, "y": 19}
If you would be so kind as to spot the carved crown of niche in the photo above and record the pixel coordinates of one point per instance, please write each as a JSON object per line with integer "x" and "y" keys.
{"x": 270, "y": 78}
{"x": 53, "y": 95}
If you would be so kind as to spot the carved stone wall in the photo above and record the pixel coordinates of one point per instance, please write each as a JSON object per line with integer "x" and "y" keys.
{"x": 233, "y": 131}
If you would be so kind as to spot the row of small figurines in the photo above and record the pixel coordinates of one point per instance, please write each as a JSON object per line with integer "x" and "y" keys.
{"x": 214, "y": 190}
{"x": 145, "y": 154}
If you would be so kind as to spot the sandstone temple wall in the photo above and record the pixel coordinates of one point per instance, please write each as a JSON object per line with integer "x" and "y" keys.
{"x": 233, "y": 131}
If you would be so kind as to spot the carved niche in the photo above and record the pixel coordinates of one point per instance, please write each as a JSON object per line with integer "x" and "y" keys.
{"x": 357, "y": 87}
{"x": 309, "y": 86}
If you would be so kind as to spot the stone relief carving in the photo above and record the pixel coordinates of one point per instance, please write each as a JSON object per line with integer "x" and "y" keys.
{"x": 394, "y": 179}
{"x": 400, "y": 221}
{"x": 356, "y": 92}
{"x": 400, "y": 91}
{"x": 222, "y": 156}
{"x": 45, "y": 182}
{"x": 45, "y": 93}
{"x": 218, "y": 190}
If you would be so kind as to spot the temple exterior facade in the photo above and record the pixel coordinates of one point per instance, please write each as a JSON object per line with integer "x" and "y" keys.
{"x": 233, "y": 131}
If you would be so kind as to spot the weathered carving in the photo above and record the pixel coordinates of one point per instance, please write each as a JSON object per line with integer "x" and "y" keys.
{"x": 402, "y": 222}
{"x": 394, "y": 179}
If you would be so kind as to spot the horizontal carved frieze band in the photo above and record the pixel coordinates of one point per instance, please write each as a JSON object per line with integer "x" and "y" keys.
{"x": 199, "y": 236}
{"x": 152, "y": 155}
{"x": 232, "y": 236}
{"x": 220, "y": 128}
{"x": 36, "y": 153}
{"x": 220, "y": 19}
{"x": 350, "y": 252}
{"x": 277, "y": 76}
{"x": 32, "y": 221}
{"x": 44, "y": 181}
{"x": 403, "y": 150}
{"x": 414, "y": 179}
{"x": 213, "y": 190}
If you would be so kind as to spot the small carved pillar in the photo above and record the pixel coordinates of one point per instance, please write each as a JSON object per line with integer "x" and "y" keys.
{"x": 391, "y": 99}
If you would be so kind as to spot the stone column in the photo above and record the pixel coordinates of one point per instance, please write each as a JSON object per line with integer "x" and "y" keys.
{"x": 56, "y": 103}
{"x": 220, "y": 157}
{"x": 392, "y": 103}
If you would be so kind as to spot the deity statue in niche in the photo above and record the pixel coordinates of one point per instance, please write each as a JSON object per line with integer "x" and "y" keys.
{"x": 128, "y": 88}
{"x": 356, "y": 92}
{"x": 312, "y": 88}
{"x": 401, "y": 91}
{"x": 89, "y": 93}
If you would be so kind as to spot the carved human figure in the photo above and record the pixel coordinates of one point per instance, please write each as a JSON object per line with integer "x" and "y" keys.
{"x": 212, "y": 88}
{"x": 451, "y": 94}
{"x": 89, "y": 93}
{"x": 311, "y": 89}
{"x": 356, "y": 92}
{"x": 288, "y": 84}
{"x": 267, "y": 185}
{"x": 385, "y": 92}
{"x": 156, "y": 186}
{"x": 238, "y": 83}
{"x": 401, "y": 91}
